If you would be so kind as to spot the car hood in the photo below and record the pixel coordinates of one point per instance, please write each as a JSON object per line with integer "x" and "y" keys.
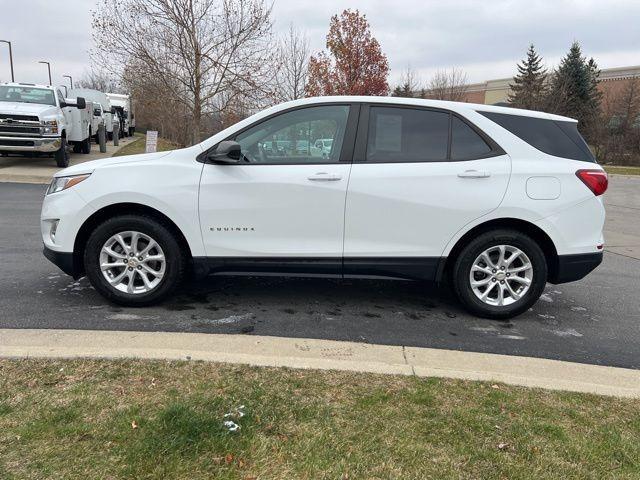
{"x": 88, "y": 167}
{"x": 20, "y": 108}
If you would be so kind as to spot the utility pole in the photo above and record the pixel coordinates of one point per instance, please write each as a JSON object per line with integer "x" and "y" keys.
{"x": 49, "y": 69}
{"x": 10, "y": 58}
{"x": 70, "y": 79}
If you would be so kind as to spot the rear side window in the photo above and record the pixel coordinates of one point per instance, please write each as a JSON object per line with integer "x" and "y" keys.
{"x": 560, "y": 139}
{"x": 465, "y": 142}
{"x": 407, "y": 135}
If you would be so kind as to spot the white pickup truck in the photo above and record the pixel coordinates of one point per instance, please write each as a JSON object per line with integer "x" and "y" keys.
{"x": 38, "y": 119}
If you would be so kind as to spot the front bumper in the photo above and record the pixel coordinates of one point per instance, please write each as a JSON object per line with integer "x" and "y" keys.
{"x": 63, "y": 260}
{"x": 29, "y": 144}
{"x": 574, "y": 267}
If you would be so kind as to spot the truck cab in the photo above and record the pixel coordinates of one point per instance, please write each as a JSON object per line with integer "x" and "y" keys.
{"x": 38, "y": 119}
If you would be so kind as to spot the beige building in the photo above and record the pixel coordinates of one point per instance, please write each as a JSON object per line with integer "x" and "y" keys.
{"x": 491, "y": 92}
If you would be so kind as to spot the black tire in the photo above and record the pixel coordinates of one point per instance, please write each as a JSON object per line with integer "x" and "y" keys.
{"x": 76, "y": 148}
{"x": 85, "y": 146}
{"x": 61, "y": 156}
{"x": 161, "y": 233}
{"x": 109, "y": 136}
{"x": 462, "y": 269}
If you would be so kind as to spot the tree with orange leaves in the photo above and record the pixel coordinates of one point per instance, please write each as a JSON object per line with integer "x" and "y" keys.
{"x": 354, "y": 65}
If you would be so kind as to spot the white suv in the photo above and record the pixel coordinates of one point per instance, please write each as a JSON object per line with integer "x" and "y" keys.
{"x": 498, "y": 201}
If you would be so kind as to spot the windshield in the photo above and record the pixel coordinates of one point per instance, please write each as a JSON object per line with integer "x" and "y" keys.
{"x": 10, "y": 93}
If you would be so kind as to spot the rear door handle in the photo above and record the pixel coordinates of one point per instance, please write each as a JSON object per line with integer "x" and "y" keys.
{"x": 474, "y": 174}
{"x": 325, "y": 177}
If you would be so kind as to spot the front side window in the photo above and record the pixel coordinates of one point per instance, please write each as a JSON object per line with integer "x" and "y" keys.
{"x": 407, "y": 135}
{"x": 306, "y": 135}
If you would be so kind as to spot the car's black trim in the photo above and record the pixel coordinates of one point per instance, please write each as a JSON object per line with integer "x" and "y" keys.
{"x": 63, "y": 260}
{"x": 406, "y": 268}
{"x": 570, "y": 268}
{"x": 360, "y": 153}
{"x": 346, "y": 153}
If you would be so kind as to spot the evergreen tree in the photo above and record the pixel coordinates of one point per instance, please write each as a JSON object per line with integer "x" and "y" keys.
{"x": 528, "y": 87}
{"x": 574, "y": 91}
{"x": 403, "y": 90}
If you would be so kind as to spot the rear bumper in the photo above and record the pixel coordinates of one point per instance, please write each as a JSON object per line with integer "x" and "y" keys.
{"x": 63, "y": 260}
{"x": 574, "y": 267}
{"x": 29, "y": 144}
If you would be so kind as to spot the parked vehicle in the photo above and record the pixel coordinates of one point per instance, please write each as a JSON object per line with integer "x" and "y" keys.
{"x": 38, "y": 119}
{"x": 493, "y": 200}
{"x": 97, "y": 96}
{"x": 322, "y": 147}
{"x": 122, "y": 104}
{"x": 97, "y": 119}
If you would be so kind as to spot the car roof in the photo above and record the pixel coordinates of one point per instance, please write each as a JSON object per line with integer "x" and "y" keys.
{"x": 423, "y": 102}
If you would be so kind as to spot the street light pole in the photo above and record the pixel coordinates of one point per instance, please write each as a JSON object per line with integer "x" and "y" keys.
{"x": 10, "y": 58}
{"x": 70, "y": 79}
{"x": 49, "y": 69}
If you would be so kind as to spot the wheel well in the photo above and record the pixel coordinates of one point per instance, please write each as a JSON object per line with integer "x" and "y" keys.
{"x": 535, "y": 232}
{"x": 121, "y": 209}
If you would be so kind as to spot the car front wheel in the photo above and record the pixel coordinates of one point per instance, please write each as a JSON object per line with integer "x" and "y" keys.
{"x": 500, "y": 274}
{"x": 133, "y": 260}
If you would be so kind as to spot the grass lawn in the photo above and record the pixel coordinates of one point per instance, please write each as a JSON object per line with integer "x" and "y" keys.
{"x": 622, "y": 170}
{"x": 138, "y": 146}
{"x": 143, "y": 419}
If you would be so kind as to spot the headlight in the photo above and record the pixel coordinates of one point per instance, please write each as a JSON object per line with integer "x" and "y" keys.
{"x": 49, "y": 127}
{"x": 62, "y": 183}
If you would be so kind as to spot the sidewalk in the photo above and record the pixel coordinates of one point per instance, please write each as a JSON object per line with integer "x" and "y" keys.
{"x": 21, "y": 169}
{"x": 322, "y": 354}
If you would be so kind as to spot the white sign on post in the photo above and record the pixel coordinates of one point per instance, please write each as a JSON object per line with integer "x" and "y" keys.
{"x": 152, "y": 141}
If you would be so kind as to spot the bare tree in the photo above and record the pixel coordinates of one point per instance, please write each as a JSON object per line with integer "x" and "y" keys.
{"x": 292, "y": 65}
{"x": 99, "y": 79}
{"x": 448, "y": 85}
{"x": 205, "y": 53}
{"x": 410, "y": 85}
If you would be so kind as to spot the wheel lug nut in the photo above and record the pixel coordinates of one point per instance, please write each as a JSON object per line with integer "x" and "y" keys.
{"x": 131, "y": 254}
{"x": 493, "y": 279}
{"x": 130, "y": 269}
{"x": 139, "y": 267}
{"x": 501, "y": 281}
{"x": 493, "y": 270}
{"x": 508, "y": 274}
{"x": 502, "y": 267}
{"x": 140, "y": 258}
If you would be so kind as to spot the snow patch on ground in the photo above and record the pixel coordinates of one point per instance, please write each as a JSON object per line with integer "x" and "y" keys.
{"x": 569, "y": 332}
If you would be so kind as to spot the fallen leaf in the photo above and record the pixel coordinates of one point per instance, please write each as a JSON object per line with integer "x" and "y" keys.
{"x": 503, "y": 446}
{"x": 134, "y": 424}
{"x": 228, "y": 458}
{"x": 497, "y": 387}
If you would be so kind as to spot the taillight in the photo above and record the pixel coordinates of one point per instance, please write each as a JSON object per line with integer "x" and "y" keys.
{"x": 596, "y": 180}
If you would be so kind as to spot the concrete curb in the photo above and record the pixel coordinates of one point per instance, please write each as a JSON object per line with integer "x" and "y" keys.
{"x": 323, "y": 355}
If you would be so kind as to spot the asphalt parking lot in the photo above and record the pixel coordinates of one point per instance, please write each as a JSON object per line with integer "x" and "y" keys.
{"x": 596, "y": 320}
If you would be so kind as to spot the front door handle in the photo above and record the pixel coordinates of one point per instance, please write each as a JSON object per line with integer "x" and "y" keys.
{"x": 474, "y": 174}
{"x": 325, "y": 177}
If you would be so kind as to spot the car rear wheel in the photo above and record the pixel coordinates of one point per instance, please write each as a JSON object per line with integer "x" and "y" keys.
{"x": 133, "y": 260}
{"x": 500, "y": 274}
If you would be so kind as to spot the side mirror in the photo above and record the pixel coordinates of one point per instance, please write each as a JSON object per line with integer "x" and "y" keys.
{"x": 226, "y": 153}
{"x": 81, "y": 103}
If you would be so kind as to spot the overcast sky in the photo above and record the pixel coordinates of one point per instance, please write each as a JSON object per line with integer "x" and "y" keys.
{"x": 484, "y": 38}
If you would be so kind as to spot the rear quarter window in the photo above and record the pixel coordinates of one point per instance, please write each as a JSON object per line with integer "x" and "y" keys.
{"x": 560, "y": 139}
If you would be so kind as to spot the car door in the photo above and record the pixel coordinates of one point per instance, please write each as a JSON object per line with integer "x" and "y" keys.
{"x": 419, "y": 176}
{"x": 285, "y": 200}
